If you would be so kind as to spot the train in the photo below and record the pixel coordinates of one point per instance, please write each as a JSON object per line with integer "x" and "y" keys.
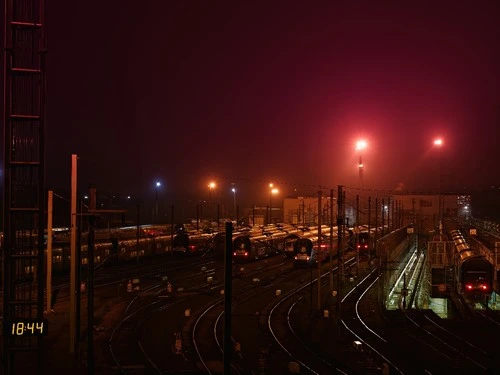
{"x": 196, "y": 243}
{"x": 309, "y": 250}
{"x": 473, "y": 270}
{"x": 364, "y": 240}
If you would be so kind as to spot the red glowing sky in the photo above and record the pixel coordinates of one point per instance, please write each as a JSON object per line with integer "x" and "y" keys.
{"x": 272, "y": 91}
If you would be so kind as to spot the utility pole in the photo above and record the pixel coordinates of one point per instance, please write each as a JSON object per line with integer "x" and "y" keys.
{"x": 383, "y": 217}
{"x": 138, "y": 231}
{"x": 357, "y": 234}
{"x": 331, "y": 241}
{"x": 369, "y": 230}
{"x": 340, "y": 228}
{"x": 172, "y": 230}
{"x": 72, "y": 281}
{"x": 319, "y": 252}
{"x": 376, "y": 225}
{"x": 228, "y": 280}
{"x": 92, "y": 212}
{"x": 90, "y": 296}
{"x": 50, "y": 210}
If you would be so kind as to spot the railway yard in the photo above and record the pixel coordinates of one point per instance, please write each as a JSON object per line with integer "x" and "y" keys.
{"x": 165, "y": 315}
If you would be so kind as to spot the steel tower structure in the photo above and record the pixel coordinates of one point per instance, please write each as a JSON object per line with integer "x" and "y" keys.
{"x": 24, "y": 180}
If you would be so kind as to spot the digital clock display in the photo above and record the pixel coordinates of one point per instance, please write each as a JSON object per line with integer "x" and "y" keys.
{"x": 33, "y": 327}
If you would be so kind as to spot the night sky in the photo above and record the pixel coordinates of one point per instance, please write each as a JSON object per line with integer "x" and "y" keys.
{"x": 253, "y": 92}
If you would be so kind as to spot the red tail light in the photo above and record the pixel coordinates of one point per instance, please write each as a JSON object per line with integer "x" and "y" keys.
{"x": 468, "y": 287}
{"x": 484, "y": 287}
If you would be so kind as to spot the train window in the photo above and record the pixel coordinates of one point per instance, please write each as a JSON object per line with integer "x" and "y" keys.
{"x": 97, "y": 259}
{"x": 85, "y": 261}
{"x": 57, "y": 259}
{"x": 106, "y": 252}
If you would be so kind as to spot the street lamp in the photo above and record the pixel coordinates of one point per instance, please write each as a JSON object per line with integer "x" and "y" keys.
{"x": 211, "y": 187}
{"x": 361, "y": 145}
{"x": 272, "y": 190}
{"x": 158, "y": 184}
{"x": 438, "y": 143}
{"x": 234, "y": 203}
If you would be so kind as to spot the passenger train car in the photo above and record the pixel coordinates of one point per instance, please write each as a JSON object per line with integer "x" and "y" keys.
{"x": 473, "y": 270}
{"x": 192, "y": 243}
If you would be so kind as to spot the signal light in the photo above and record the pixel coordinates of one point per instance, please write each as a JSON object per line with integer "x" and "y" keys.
{"x": 484, "y": 287}
{"x": 468, "y": 287}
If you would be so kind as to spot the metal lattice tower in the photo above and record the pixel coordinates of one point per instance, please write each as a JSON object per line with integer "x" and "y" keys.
{"x": 24, "y": 181}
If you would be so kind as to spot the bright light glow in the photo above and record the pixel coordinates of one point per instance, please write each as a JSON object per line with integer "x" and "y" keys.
{"x": 271, "y": 185}
{"x": 233, "y": 190}
{"x": 361, "y": 144}
{"x": 274, "y": 191}
{"x": 211, "y": 185}
{"x": 438, "y": 142}
{"x": 158, "y": 183}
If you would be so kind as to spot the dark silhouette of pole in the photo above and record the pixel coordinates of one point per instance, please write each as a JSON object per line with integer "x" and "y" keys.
{"x": 78, "y": 275}
{"x": 156, "y": 205}
{"x": 138, "y": 233}
{"x": 90, "y": 302}
{"x": 228, "y": 280}
{"x": 331, "y": 242}
{"x": 340, "y": 228}
{"x": 197, "y": 217}
{"x": 253, "y": 215}
{"x": 172, "y": 229}
{"x": 218, "y": 217}
{"x": 319, "y": 252}
{"x": 376, "y": 226}
{"x": 357, "y": 234}
{"x": 383, "y": 217}
{"x": 369, "y": 230}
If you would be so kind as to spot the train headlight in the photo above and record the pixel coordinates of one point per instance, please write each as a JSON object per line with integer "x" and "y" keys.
{"x": 468, "y": 287}
{"x": 484, "y": 287}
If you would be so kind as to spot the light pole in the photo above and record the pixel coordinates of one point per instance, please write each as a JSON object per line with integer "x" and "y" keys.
{"x": 361, "y": 145}
{"x": 272, "y": 190}
{"x": 158, "y": 184}
{"x": 438, "y": 143}
{"x": 234, "y": 203}
{"x": 211, "y": 187}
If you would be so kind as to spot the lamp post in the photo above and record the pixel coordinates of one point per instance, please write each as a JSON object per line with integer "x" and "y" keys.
{"x": 155, "y": 214}
{"x": 361, "y": 145}
{"x": 211, "y": 187}
{"x": 438, "y": 143}
{"x": 272, "y": 190}
{"x": 234, "y": 203}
